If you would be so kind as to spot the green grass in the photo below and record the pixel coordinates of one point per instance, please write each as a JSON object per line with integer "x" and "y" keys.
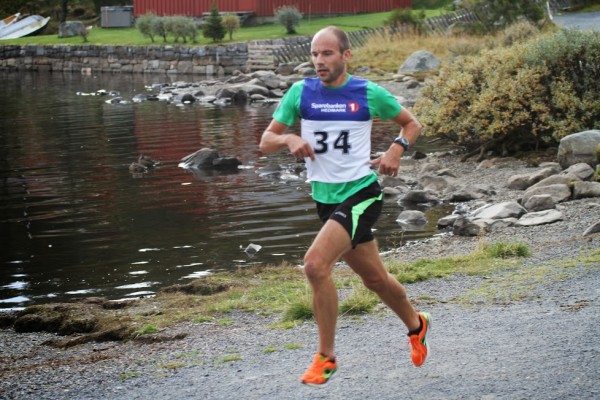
{"x": 132, "y": 37}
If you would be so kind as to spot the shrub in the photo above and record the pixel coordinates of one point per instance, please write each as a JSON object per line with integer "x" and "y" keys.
{"x": 497, "y": 14}
{"x": 231, "y": 23}
{"x": 403, "y": 18}
{"x": 181, "y": 27}
{"x": 213, "y": 27}
{"x": 517, "y": 98}
{"x": 158, "y": 27}
{"x": 143, "y": 23}
{"x": 518, "y": 32}
{"x": 289, "y": 17}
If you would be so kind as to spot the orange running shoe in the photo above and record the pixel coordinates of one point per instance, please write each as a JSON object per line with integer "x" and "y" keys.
{"x": 418, "y": 343}
{"x": 320, "y": 370}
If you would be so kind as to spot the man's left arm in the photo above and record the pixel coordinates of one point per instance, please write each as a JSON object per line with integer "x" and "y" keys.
{"x": 389, "y": 162}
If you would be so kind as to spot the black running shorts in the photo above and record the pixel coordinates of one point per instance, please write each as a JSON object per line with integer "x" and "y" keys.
{"x": 357, "y": 214}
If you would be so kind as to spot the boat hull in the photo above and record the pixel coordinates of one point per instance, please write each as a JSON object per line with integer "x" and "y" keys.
{"x": 23, "y": 27}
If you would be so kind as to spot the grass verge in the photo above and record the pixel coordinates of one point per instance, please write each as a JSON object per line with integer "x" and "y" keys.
{"x": 282, "y": 291}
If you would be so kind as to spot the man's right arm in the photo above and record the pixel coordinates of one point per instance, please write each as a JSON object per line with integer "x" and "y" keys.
{"x": 275, "y": 138}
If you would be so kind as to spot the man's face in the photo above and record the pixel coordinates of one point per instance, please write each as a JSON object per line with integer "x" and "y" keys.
{"x": 329, "y": 61}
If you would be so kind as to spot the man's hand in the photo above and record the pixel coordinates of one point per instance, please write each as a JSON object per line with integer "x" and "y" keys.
{"x": 388, "y": 163}
{"x": 299, "y": 147}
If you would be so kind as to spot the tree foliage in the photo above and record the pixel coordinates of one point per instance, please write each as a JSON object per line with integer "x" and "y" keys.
{"x": 231, "y": 22}
{"x": 143, "y": 23}
{"x": 289, "y": 17}
{"x": 515, "y": 98}
{"x": 213, "y": 26}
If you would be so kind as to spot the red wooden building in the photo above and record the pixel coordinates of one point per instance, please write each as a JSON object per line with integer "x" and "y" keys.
{"x": 265, "y": 8}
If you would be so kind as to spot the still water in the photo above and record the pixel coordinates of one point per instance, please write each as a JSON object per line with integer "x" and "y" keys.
{"x": 74, "y": 221}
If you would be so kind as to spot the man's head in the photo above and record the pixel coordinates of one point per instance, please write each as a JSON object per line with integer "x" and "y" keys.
{"x": 330, "y": 52}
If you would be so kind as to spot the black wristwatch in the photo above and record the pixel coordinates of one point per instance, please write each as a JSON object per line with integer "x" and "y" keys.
{"x": 402, "y": 142}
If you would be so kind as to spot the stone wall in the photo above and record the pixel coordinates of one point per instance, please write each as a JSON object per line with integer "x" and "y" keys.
{"x": 91, "y": 59}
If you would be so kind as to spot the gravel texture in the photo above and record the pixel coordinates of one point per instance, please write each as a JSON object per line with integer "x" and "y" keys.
{"x": 530, "y": 333}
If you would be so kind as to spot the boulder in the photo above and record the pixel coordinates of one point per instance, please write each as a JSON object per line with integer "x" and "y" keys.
{"x": 524, "y": 181}
{"x": 71, "y": 28}
{"x": 582, "y": 171}
{"x": 420, "y": 62}
{"x": 559, "y": 192}
{"x": 419, "y": 196}
{"x": 540, "y": 218}
{"x": 579, "y": 148}
{"x": 447, "y": 221}
{"x": 586, "y": 189}
{"x": 561, "y": 179}
{"x": 412, "y": 217}
{"x": 539, "y": 203}
{"x": 438, "y": 184}
{"x": 508, "y": 209}
{"x": 464, "y": 227}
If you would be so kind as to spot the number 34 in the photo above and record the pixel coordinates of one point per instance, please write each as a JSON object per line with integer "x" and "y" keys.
{"x": 341, "y": 143}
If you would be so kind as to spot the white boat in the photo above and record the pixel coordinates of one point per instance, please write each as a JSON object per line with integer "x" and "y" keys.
{"x": 9, "y": 20}
{"x": 23, "y": 27}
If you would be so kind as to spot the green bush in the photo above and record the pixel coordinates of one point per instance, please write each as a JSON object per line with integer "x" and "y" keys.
{"x": 289, "y": 17}
{"x": 404, "y": 17}
{"x": 181, "y": 27}
{"x": 158, "y": 27}
{"x": 143, "y": 23}
{"x": 517, "y": 98}
{"x": 231, "y": 23}
{"x": 213, "y": 27}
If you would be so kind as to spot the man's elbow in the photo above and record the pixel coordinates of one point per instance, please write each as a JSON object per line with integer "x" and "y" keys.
{"x": 264, "y": 146}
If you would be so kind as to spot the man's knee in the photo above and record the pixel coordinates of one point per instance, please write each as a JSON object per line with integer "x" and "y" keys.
{"x": 315, "y": 269}
{"x": 377, "y": 283}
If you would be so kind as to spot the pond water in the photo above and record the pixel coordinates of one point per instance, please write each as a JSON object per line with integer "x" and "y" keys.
{"x": 74, "y": 221}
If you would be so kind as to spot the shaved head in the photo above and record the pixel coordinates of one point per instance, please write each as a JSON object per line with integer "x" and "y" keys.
{"x": 340, "y": 35}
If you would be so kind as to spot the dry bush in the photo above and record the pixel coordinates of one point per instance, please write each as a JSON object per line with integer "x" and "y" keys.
{"x": 517, "y": 98}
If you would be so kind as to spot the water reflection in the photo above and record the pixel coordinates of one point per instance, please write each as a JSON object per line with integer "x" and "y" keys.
{"x": 75, "y": 221}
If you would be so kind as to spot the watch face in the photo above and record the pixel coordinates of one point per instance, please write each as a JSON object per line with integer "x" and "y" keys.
{"x": 402, "y": 142}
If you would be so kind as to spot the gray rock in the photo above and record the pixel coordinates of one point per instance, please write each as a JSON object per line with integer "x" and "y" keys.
{"x": 560, "y": 179}
{"x": 581, "y": 170}
{"x": 579, "y": 148}
{"x": 540, "y": 218}
{"x": 524, "y": 181}
{"x": 447, "y": 221}
{"x": 391, "y": 192}
{"x": 71, "y": 28}
{"x": 420, "y": 61}
{"x": 412, "y": 217}
{"x": 595, "y": 228}
{"x": 464, "y": 227}
{"x": 508, "y": 209}
{"x": 438, "y": 184}
{"x": 539, "y": 203}
{"x": 586, "y": 189}
{"x": 559, "y": 192}
{"x": 202, "y": 158}
{"x": 286, "y": 68}
{"x": 419, "y": 196}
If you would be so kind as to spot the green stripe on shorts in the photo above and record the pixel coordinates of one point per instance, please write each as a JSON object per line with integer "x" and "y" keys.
{"x": 359, "y": 210}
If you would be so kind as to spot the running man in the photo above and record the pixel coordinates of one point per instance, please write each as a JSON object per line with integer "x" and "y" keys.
{"x": 336, "y": 111}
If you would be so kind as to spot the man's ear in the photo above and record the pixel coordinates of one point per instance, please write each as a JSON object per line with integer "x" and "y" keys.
{"x": 347, "y": 55}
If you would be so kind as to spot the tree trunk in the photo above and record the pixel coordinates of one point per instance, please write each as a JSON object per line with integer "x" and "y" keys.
{"x": 64, "y": 10}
